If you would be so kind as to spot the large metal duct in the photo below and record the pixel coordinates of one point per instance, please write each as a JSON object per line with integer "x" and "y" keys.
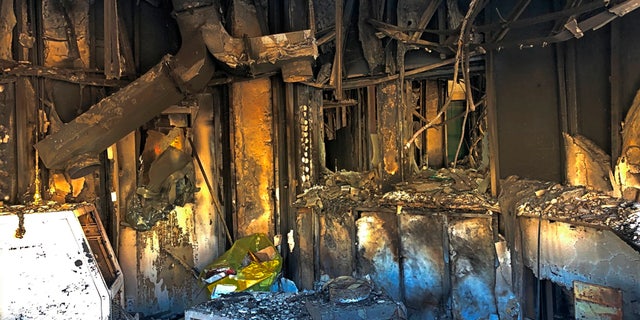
{"x": 167, "y": 83}
{"x": 75, "y": 145}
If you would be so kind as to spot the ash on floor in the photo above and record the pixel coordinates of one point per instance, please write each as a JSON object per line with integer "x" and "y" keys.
{"x": 293, "y": 306}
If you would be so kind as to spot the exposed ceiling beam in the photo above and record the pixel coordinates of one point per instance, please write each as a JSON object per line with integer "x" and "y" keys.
{"x": 592, "y": 23}
{"x": 541, "y": 18}
{"x": 425, "y": 18}
{"x": 513, "y": 16}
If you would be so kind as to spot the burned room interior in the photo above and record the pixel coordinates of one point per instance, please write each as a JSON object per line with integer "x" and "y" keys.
{"x": 309, "y": 159}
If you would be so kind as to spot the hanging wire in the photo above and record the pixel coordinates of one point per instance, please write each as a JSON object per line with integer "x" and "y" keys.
{"x": 464, "y": 29}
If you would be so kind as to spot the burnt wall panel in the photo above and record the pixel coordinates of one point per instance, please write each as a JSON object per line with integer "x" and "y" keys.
{"x": 569, "y": 252}
{"x": 377, "y": 255}
{"x": 157, "y": 34}
{"x": 253, "y": 153}
{"x": 303, "y": 252}
{"x": 527, "y": 107}
{"x": 423, "y": 264}
{"x": 630, "y": 64}
{"x": 529, "y": 100}
{"x": 337, "y": 238}
{"x": 472, "y": 268}
{"x": 388, "y": 124}
{"x": 8, "y": 182}
{"x": 526, "y": 90}
{"x": 592, "y": 81}
{"x": 66, "y": 33}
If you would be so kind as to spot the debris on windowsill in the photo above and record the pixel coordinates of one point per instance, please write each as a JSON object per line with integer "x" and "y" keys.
{"x": 445, "y": 189}
{"x": 343, "y": 297}
{"x": 572, "y": 204}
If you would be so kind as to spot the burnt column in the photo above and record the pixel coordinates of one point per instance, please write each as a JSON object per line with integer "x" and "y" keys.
{"x": 253, "y": 153}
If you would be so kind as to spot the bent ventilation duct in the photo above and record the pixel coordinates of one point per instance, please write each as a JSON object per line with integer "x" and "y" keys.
{"x": 75, "y": 145}
{"x": 113, "y": 117}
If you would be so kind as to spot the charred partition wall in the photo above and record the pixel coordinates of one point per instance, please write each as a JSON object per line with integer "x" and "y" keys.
{"x": 439, "y": 264}
{"x": 584, "y": 85}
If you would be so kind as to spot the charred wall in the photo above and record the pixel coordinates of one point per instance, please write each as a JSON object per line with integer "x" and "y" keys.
{"x": 439, "y": 264}
{"x": 581, "y": 86}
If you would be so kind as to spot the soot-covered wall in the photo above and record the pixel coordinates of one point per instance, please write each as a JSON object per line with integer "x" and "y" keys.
{"x": 581, "y": 86}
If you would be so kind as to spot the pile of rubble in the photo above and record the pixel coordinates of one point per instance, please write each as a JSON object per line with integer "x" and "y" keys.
{"x": 343, "y": 297}
{"x": 445, "y": 189}
{"x": 252, "y": 305}
{"x": 573, "y": 204}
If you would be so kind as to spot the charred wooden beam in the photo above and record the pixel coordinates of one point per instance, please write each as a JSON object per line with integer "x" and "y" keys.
{"x": 390, "y": 115}
{"x": 405, "y": 38}
{"x": 435, "y": 137}
{"x": 87, "y": 78}
{"x": 26, "y": 115}
{"x": 576, "y": 30}
{"x": 8, "y": 161}
{"x": 616, "y": 91}
{"x": 561, "y": 23}
{"x": 591, "y": 6}
{"x": 358, "y": 83}
{"x": 328, "y": 104}
{"x": 492, "y": 126}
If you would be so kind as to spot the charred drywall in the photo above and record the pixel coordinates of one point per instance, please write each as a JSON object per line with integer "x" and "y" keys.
{"x": 378, "y": 250}
{"x": 587, "y": 165}
{"x": 472, "y": 268}
{"x": 66, "y": 33}
{"x": 423, "y": 264}
{"x": 337, "y": 236}
{"x": 8, "y": 187}
{"x": 570, "y": 252}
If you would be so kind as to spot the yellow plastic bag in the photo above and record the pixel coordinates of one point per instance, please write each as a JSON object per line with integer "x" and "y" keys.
{"x": 258, "y": 274}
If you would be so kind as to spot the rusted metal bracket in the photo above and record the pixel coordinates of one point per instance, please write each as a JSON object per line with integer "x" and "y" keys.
{"x": 572, "y": 26}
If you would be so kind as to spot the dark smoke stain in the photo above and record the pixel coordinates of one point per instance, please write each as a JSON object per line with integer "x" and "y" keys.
{"x": 87, "y": 251}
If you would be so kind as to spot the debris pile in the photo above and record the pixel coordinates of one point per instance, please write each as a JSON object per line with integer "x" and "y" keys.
{"x": 574, "y": 204}
{"x": 343, "y": 297}
{"x": 253, "y": 305}
{"x": 341, "y": 190}
{"x": 252, "y": 263}
{"x": 449, "y": 189}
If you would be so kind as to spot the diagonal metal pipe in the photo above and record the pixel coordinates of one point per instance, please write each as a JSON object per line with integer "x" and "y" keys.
{"x": 75, "y": 145}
